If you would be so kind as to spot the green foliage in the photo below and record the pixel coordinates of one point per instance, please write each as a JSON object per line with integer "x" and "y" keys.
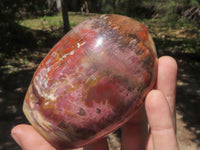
{"x": 108, "y": 9}
{"x": 194, "y": 3}
{"x": 18, "y": 9}
{"x": 172, "y": 12}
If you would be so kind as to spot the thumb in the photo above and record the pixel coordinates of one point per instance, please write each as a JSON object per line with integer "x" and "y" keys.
{"x": 28, "y": 139}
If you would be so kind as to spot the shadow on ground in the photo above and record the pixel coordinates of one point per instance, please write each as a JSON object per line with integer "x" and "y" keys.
{"x": 11, "y": 99}
{"x": 188, "y": 96}
{"x": 21, "y": 50}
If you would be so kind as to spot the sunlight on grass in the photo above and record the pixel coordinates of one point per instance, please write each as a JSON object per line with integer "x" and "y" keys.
{"x": 52, "y": 22}
{"x": 41, "y": 23}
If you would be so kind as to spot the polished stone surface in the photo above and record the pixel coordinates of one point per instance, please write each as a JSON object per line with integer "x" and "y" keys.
{"x": 92, "y": 81}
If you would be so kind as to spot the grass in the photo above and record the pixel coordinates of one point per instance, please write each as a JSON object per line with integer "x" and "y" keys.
{"x": 158, "y": 25}
{"x": 41, "y": 23}
{"x": 52, "y": 22}
{"x": 181, "y": 36}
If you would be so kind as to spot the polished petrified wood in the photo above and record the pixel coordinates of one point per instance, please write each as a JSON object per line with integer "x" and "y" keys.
{"x": 92, "y": 81}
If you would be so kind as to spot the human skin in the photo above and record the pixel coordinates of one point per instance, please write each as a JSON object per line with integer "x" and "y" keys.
{"x": 158, "y": 112}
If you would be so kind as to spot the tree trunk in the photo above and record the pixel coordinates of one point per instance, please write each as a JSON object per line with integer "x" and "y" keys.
{"x": 58, "y": 4}
{"x": 64, "y": 4}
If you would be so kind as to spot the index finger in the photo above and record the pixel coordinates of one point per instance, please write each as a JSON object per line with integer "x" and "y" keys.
{"x": 166, "y": 80}
{"x": 166, "y": 83}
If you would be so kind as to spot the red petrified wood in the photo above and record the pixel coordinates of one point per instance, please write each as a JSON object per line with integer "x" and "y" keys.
{"x": 92, "y": 81}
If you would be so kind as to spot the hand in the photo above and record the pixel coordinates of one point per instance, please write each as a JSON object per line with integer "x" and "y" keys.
{"x": 160, "y": 111}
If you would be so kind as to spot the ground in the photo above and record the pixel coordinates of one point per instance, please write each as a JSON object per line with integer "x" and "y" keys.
{"x": 180, "y": 42}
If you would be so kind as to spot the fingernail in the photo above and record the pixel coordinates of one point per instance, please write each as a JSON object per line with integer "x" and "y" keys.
{"x": 14, "y": 135}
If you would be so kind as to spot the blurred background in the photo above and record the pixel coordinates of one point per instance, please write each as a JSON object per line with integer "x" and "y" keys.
{"x": 29, "y": 29}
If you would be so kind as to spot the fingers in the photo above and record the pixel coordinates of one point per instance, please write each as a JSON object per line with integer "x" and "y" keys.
{"x": 160, "y": 121}
{"x": 166, "y": 83}
{"x": 166, "y": 80}
{"x": 29, "y": 139}
{"x": 98, "y": 145}
{"x": 134, "y": 132}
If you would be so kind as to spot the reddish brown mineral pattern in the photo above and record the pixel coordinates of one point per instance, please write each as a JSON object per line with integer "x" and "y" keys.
{"x": 92, "y": 81}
